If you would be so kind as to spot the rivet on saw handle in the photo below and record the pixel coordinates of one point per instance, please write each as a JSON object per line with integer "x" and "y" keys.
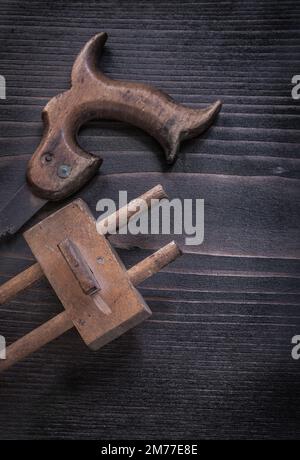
{"x": 60, "y": 166}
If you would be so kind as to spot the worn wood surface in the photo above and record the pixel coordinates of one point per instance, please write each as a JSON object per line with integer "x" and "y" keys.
{"x": 214, "y": 361}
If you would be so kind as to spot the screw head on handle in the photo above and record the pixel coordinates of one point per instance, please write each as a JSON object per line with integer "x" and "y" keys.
{"x": 64, "y": 171}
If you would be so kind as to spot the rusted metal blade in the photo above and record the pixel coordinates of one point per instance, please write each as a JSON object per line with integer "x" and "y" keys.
{"x": 19, "y": 210}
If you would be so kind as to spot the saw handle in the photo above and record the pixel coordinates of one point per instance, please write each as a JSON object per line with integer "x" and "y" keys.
{"x": 60, "y": 166}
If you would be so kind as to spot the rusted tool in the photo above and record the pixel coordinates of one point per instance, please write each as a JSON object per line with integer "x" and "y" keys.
{"x": 59, "y": 167}
{"x": 94, "y": 287}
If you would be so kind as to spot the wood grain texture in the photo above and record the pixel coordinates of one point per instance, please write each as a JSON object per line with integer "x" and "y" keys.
{"x": 214, "y": 361}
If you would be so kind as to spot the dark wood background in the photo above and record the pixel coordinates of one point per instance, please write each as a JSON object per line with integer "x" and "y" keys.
{"x": 214, "y": 361}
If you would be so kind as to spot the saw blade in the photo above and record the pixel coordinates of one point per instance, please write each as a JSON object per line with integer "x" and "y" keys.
{"x": 19, "y": 210}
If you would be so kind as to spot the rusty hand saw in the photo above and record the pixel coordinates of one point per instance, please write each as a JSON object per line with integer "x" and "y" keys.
{"x": 59, "y": 167}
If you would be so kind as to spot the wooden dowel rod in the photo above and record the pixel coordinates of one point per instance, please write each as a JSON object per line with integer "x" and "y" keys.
{"x": 61, "y": 323}
{"x": 20, "y": 282}
{"x": 121, "y": 217}
{"x": 36, "y": 339}
{"x": 154, "y": 263}
{"x": 25, "y": 279}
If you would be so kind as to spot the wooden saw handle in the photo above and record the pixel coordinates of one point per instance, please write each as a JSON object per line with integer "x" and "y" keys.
{"x": 60, "y": 166}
